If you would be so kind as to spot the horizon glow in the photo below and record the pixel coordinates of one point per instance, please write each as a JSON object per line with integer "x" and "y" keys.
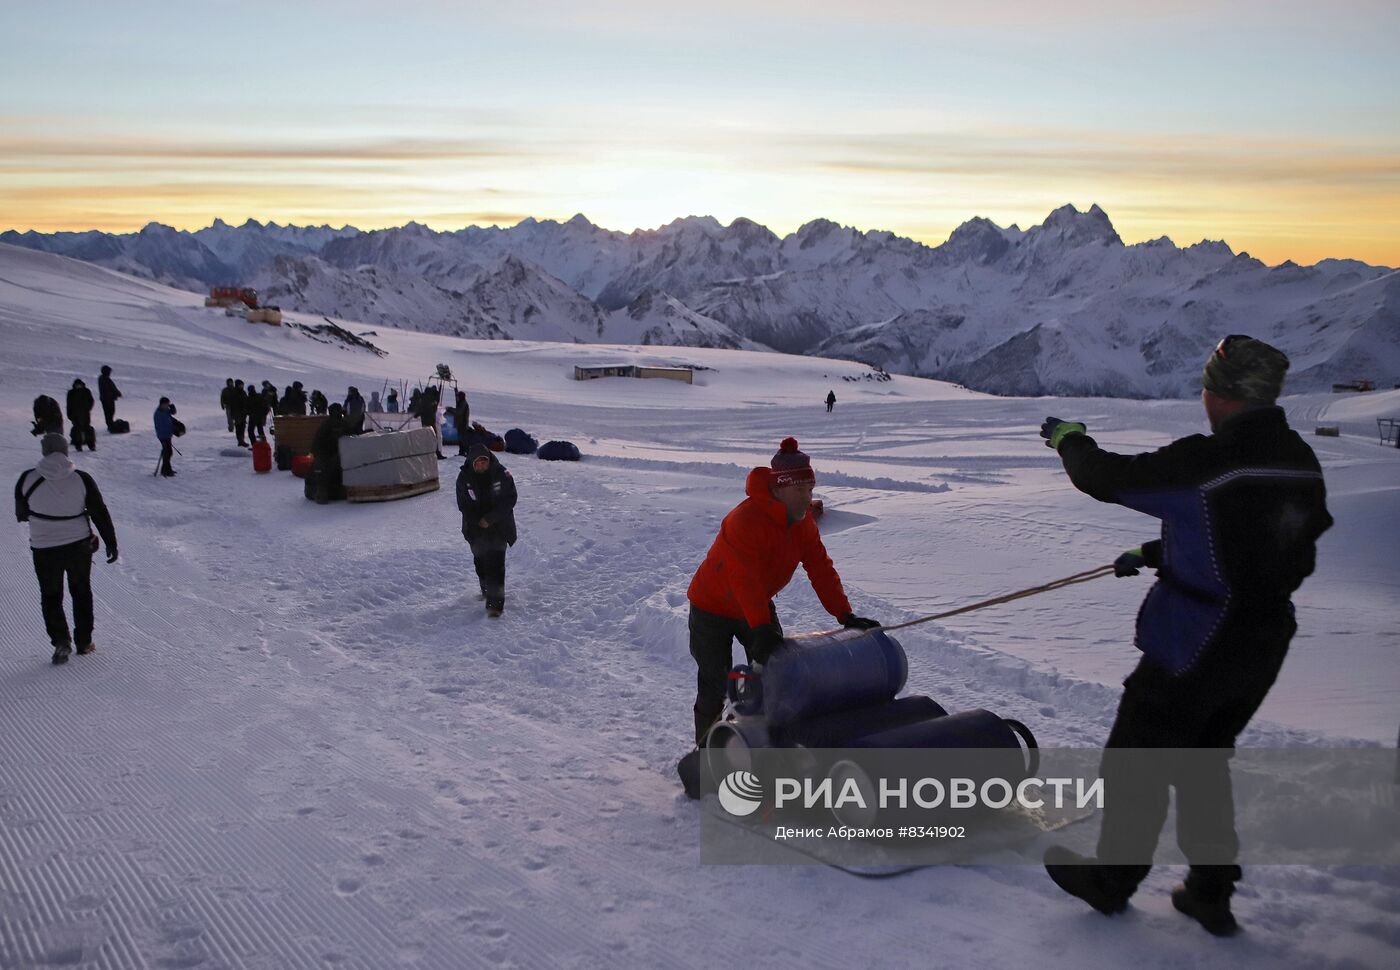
{"x": 1268, "y": 125}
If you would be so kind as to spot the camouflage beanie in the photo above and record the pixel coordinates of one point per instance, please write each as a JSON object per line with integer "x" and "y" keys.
{"x": 1244, "y": 369}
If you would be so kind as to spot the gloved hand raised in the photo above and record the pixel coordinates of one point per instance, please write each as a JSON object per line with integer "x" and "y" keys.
{"x": 1129, "y": 563}
{"x": 852, "y": 622}
{"x": 766, "y": 639}
{"x": 1056, "y": 430}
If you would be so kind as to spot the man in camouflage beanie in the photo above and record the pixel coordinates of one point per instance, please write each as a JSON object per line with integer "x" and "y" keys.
{"x": 1241, "y": 510}
{"x": 1244, "y": 369}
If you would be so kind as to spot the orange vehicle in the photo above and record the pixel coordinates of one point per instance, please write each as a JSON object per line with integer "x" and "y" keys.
{"x": 229, "y": 295}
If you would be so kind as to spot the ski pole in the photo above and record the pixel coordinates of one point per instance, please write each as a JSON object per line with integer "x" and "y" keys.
{"x": 1083, "y": 577}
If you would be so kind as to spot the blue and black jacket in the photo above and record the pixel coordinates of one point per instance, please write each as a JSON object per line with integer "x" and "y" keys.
{"x": 1241, "y": 513}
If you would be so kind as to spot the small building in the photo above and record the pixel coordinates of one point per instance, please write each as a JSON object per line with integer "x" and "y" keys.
{"x": 683, "y": 374}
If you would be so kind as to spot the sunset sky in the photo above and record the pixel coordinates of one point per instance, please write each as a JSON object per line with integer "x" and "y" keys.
{"x": 1273, "y": 126}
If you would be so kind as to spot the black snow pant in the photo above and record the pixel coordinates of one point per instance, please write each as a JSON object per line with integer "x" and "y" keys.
{"x": 51, "y": 565}
{"x": 712, "y": 645}
{"x": 109, "y": 412}
{"x": 167, "y": 450}
{"x": 489, "y": 557}
{"x": 240, "y": 427}
{"x": 1204, "y": 710}
{"x": 829, "y": 406}
{"x": 228, "y": 416}
{"x": 83, "y": 434}
{"x": 257, "y": 429}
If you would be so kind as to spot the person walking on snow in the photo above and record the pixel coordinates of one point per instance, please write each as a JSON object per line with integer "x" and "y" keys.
{"x": 80, "y": 404}
{"x": 257, "y": 407}
{"x": 61, "y": 505}
{"x": 238, "y": 411}
{"x": 164, "y": 421}
{"x": 759, "y": 546}
{"x": 107, "y": 393}
{"x": 1241, "y": 510}
{"x": 830, "y": 401}
{"x": 486, "y": 498}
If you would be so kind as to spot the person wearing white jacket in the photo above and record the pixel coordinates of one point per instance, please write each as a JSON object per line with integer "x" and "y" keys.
{"x": 62, "y": 506}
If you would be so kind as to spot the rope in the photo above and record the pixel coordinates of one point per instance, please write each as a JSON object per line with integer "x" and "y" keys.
{"x": 1083, "y": 577}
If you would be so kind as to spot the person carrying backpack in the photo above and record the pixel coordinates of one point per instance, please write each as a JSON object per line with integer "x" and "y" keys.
{"x": 62, "y": 505}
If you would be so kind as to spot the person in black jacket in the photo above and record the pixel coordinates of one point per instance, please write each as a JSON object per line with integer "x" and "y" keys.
{"x": 461, "y": 419}
{"x": 107, "y": 393}
{"x": 224, "y": 395}
{"x": 298, "y": 399}
{"x": 486, "y": 498}
{"x": 80, "y": 416}
{"x": 427, "y": 412}
{"x": 1241, "y": 511}
{"x": 238, "y": 411}
{"x": 48, "y": 417}
{"x": 61, "y": 505}
{"x": 257, "y": 408}
{"x": 326, "y": 484}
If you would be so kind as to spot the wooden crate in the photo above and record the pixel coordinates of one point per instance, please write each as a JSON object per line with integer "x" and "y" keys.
{"x": 296, "y": 431}
{"x": 388, "y": 493}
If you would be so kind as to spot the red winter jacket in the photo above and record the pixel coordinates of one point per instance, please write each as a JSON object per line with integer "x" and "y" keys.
{"x": 755, "y": 555}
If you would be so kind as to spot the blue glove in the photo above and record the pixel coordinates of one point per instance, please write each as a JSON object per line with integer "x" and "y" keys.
{"x": 1056, "y": 430}
{"x": 1129, "y": 563}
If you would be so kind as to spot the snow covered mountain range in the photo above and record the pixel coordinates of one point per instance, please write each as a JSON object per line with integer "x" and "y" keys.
{"x": 1064, "y": 307}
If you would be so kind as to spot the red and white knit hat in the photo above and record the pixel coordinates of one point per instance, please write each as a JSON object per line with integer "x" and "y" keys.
{"x": 790, "y": 466}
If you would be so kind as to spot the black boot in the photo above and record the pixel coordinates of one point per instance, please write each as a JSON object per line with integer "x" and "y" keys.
{"x": 1205, "y": 897}
{"x": 60, "y": 653}
{"x": 1079, "y": 876}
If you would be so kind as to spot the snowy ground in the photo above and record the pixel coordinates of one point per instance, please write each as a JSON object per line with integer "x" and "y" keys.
{"x": 301, "y": 744}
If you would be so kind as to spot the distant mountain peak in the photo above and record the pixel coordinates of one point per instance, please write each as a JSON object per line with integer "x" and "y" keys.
{"x": 1078, "y": 228}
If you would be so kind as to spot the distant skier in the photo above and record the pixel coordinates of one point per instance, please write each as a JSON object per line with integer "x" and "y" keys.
{"x": 257, "y": 408}
{"x": 391, "y": 401}
{"x": 374, "y": 406}
{"x": 759, "y": 546}
{"x": 1241, "y": 513}
{"x": 61, "y": 504}
{"x": 486, "y": 497}
{"x": 320, "y": 404}
{"x": 830, "y": 401}
{"x": 80, "y": 404}
{"x": 296, "y": 399}
{"x": 164, "y": 421}
{"x": 48, "y": 417}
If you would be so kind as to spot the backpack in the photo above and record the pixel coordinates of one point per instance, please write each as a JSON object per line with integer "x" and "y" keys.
{"x": 177, "y": 427}
{"x": 119, "y": 426}
{"x": 559, "y": 451}
{"x": 520, "y": 443}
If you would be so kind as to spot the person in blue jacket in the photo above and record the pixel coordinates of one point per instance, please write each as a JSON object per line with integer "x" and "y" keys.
{"x": 1242, "y": 510}
{"x": 164, "y": 419}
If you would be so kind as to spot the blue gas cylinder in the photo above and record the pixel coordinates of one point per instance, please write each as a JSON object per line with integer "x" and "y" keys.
{"x": 823, "y": 672}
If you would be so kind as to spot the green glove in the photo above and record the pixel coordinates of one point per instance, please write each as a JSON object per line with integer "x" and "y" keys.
{"x": 1129, "y": 563}
{"x": 1056, "y": 430}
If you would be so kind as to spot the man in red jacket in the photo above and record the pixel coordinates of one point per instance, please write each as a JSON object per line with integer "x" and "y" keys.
{"x": 754, "y": 556}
